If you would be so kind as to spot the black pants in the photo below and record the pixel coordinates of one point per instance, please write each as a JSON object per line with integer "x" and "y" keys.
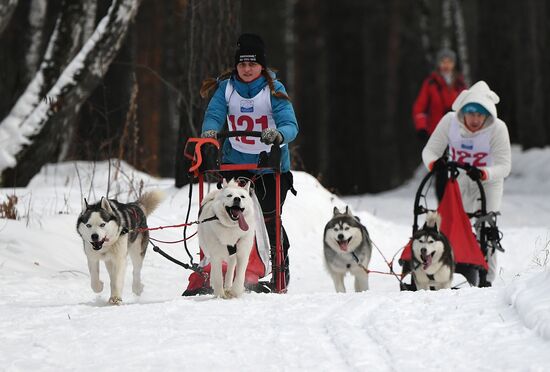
{"x": 264, "y": 187}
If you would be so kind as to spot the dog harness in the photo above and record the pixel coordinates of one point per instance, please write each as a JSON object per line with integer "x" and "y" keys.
{"x": 232, "y": 249}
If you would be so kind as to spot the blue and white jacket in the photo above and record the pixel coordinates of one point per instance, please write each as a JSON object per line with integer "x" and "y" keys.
{"x": 283, "y": 115}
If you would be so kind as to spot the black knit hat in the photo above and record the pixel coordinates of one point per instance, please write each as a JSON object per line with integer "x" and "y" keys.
{"x": 250, "y": 48}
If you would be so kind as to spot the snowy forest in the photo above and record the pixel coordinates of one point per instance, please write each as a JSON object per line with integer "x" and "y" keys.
{"x": 97, "y": 101}
{"x": 93, "y": 80}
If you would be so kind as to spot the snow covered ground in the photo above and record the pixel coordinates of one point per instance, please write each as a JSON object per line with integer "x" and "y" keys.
{"x": 51, "y": 320}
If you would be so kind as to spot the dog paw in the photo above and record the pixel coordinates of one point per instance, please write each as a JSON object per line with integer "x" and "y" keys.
{"x": 224, "y": 294}
{"x": 229, "y": 294}
{"x": 114, "y": 300}
{"x": 97, "y": 287}
{"x": 236, "y": 292}
{"x": 137, "y": 288}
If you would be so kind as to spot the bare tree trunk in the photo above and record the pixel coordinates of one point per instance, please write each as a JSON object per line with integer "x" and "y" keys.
{"x": 446, "y": 15}
{"x": 424, "y": 24}
{"x": 391, "y": 130}
{"x": 312, "y": 98}
{"x": 149, "y": 55}
{"x": 39, "y": 138}
{"x": 62, "y": 47}
{"x": 88, "y": 26}
{"x": 7, "y": 7}
{"x": 461, "y": 39}
{"x": 530, "y": 95}
{"x": 90, "y": 9}
{"x": 290, "y": 44}
{"x": 207, "y": 44}
{"x": 37, "y": 19}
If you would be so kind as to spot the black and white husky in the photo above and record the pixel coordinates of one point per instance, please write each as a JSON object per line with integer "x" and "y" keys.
{"x": 109, "y": 231}
{"x": 432, "y": 256}
{"x": 347, "y": 248}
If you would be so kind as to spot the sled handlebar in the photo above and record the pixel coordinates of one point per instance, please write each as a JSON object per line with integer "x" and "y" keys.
{"x": 453, "y": 167}
{"x": 195, "y": 154}
{"x": 241, "y": 133}
{"x": 238, "y": 133}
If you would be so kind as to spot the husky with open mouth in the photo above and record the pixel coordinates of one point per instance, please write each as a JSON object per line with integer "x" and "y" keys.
{"x": 432, "y": 256}
{"x": 228, "y": 235}
{"x": 347, "y": 248}
{"x": 110, "y": 231}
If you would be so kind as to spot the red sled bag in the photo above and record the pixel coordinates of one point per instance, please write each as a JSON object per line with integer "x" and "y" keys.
{"x": 200, "y": 283}
{"x": 258, "y": 263}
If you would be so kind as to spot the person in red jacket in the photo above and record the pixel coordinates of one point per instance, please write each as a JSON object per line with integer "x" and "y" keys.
{"x": 438, "y": 92}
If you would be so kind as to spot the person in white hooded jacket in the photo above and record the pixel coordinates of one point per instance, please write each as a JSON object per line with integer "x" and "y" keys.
{"x": 474, "y": 135}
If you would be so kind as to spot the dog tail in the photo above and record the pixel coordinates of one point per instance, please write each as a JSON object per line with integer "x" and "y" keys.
{"x": 150, "y": 201}
{"x": 433, "y": 220}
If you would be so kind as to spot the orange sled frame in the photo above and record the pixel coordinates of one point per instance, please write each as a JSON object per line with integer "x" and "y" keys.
{"x": 204, "y": 156}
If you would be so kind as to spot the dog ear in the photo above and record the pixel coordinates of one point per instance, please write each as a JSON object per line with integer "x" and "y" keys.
{"x": 106, "y": 205}
{"x": 336, "y": 211}
{"x": 246, "y": 186}
{"x": 84, "y": 204}
{"x": 433, "y": 220}
{"x": 348, "y": 211}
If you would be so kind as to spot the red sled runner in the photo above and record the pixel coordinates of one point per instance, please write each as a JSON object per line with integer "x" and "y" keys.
{"x": 204, "y": 154}
{"x": 469, "y": 248}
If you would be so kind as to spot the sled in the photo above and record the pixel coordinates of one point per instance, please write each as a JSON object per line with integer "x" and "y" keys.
{"x": 204, "y": 154}
{"x": 469, "y": 244}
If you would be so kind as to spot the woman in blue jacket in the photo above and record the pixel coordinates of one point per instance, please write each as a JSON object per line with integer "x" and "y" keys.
{"x": 248, "y": 97}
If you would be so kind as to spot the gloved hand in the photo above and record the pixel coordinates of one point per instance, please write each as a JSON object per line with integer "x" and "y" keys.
{"x": 209, "y": 134}
{"x": 422, "y": 135}
{"x": 439, "y": 164}
{"x": 270, "y": 136}
{"x": 475, "y": 173}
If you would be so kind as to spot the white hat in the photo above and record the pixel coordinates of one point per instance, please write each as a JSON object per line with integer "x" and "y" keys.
{"x": 478, "y": 93}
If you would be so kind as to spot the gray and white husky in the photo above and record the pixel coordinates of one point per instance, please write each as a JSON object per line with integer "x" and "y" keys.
{"x": 228, "y": 236}
{"x": 347, "y": 248}
{"x": 108, "y": 231}
{"x": 432, "y": 256}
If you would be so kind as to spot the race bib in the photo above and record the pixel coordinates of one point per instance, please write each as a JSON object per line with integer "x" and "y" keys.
{"x": 250, "y": 114}
{"x": 475, "y": 150}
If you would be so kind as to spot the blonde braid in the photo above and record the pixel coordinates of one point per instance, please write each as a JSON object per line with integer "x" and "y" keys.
{"x": 269, "y": 79}
{"x": 210, "y": 83}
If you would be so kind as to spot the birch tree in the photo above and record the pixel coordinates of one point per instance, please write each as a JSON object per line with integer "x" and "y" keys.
{"x": 62, "y": 48}
{"x": 28, "y": 144}
{"x": 37, "y": 18}
{"x": 461, "y": 39}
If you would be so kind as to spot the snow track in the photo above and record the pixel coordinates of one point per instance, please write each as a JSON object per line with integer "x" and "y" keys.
{"x": 50, "y": 320}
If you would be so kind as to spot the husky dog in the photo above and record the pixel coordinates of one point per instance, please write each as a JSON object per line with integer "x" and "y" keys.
{"x": 108, "y": 231}
{"x": 227, "y": 234}
{"x": 347, "y": 248}
{"x": 432, "y": 256}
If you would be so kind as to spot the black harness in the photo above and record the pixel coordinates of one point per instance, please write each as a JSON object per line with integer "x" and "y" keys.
{"x": 231, "y": 249}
